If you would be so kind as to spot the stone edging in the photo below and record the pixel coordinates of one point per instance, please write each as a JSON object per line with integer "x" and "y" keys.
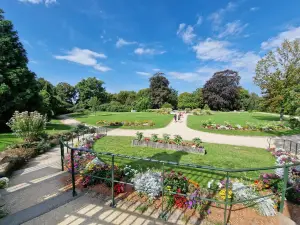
{"x": 175, "y": 147}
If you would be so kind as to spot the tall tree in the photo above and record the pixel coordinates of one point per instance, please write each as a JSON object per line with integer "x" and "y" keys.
{"x": 244, "y": 96}
{"x": 221, "y": 92}
{"x": 94, "y": 104}
{"x": 126, "y": 97}
{"x": 65, "y": 92}
{"x": 88, "y": 88}
{"x": 18, "y": 86}
{"x": 198, "y": 95}
{"x": 278, "y": 75}
{"x": 159, "y": 90}
{"x": 173, "y": 98}
{"x": 187, "y": 100}
{"x": 143, "y": 93}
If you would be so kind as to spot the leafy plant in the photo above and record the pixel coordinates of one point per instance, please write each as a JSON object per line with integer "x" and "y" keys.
{"x": 139, "y": 136}
{"x": 178, "y": 139}
{"x": 175, "y": 181}
{"x": 28, "y": 125}
{"x": 166, "y": 138}
{"x": 197, "y": 142}
{"x": 154, "y": 137}
{"x": 142, "y": 208}
{"x": 148, "y": 183}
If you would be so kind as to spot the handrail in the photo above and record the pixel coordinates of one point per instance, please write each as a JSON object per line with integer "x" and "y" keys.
{"x": 227, "y": 201}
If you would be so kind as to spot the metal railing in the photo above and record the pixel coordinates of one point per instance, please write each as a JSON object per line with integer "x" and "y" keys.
{"x": 226, "y": 172}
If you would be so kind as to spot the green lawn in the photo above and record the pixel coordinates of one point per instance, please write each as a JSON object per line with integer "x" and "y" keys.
{"x": 195, "y": 122}
{"x": 221, "y": 156}
{"x": 159, "y": 119}
{"x": 55, "y": 126}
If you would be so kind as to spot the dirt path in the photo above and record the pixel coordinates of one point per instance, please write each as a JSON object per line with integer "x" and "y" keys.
{"x": 181, "y": 128}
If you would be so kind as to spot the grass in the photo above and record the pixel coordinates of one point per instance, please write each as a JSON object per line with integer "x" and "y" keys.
{"x": 54, "y": 127}
{"x": 159, "y": 119}
{"x": 221, "y": 156}
{"x": 195, "y": 122}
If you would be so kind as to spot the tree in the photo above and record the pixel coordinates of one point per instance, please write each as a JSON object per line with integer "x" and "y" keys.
{"x": 198, "y": 95}
{"x": 221, "y": 92}
{"x": 18, "y": 86}
{"x": 173, "y": 98}
{"x": 254, "y": 102}
{"x": 88, "y": 88}
{"x": 65, "y": 92}
{"x": 126, "y": 97}
{"x": 187, "y": 100}
{"x": 159, "y": 90}
{"x": 94, "y": 104}
{"x": 143, "y": 93}
{"x": 244, "y": 98}
{"x": 142, "y": 104}
{"x": 277, "y": 74}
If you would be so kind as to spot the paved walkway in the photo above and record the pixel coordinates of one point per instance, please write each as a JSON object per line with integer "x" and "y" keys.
{"x": 181, "y": 128}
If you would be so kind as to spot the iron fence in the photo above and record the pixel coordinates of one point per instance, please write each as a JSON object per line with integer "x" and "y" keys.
{"x": 228, "y": 174}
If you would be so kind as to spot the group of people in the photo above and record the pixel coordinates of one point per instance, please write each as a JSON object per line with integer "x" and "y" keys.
{"x": 177, "y": 116}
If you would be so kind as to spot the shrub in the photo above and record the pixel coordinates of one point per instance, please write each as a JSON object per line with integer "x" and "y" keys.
{"x": 154, "y": 137}
{"x": 177, "y": 139}
{"x": 297, "y": 112}
{"x": 187, "y": 110}
{"x": 166, "y": 138}
{"x": 206, "y": 107}
{"x": 28, "y": 125}
{"x": 139, "y": 136}
{"x": 167, "y": 105}
{"x": 175, "y": 182}
{"x": 114, "y": 107}
{"x": 148, "y": 183}
{"x": 294, "y": 123}
{"x": 164, "y": 111}
{"x": 197, "y": 142}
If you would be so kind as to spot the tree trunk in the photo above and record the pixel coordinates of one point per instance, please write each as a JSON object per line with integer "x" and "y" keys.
{"x": 281, "y": 114}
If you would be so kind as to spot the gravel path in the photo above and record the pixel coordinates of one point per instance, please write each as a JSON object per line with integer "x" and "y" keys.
{"x": 181, "y": 128}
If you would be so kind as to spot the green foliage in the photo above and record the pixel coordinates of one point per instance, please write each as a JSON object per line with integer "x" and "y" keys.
{"x": 206, "y": 107}
{"x": 28, "y": 125}
{"x": 173, "y": 98}
{"x": 114, "y": 107}
{"x": 187, "y": 100}
{"x": 94, "y": 104}
{"x": 294, "y": 123}
{"x": 166, "y": 106}
{"x": 166, "y": 138}
{"x": 178, "y": 139}
{"x": 159, "y": 90}
{"x": 221, "y": 92}
{"x": 139, "y": 136}
{"x": 142, "y": 104}
{"x": 297, "y": 112}
{"x": 65, "y": 92}
{"x": 18, "y": 86}
{"x": 198, "y": 94}
{"x": 278, "y": 76}
{"x": 88, "y": 88}
{"x": 197, "y": 142}
{"x": 154, "y": 137}
{"x": 126, "y": 97}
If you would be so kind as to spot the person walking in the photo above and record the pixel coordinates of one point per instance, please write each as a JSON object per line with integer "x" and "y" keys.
{"x": 178, "y": 118}
{"x": 175, "y": 117}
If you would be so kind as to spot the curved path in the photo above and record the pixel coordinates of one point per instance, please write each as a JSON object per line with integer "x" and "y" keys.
{"x": 181, "y": 129}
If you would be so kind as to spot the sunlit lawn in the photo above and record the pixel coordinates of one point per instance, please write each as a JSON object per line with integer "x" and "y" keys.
{"x": 55, "y": 126}
{"x": 92, "y": 118}
{"x": 218, "y": 155}
{"x": 195, "y": 122}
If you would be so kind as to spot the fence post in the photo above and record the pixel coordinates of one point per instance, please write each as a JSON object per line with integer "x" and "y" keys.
{"x": 73, "y": 173}
{"x": 72, "y": 141}
{"x": 296, "y": 149}
{"x": 290, "y": 146}
{"x": 62, "y": 154}
{"x": 113, "y": 181}
{"x": 285, "y": 180}
{"x": 226, "y": 197}
{"x": 284, "y": 144}
{"x": 67, "y": 146}
{"x": 163, "y": 215}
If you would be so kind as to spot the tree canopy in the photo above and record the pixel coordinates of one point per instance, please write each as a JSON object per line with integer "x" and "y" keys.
{"x": 221, "y": 92}
{"x": 159, "y": 90}
{"x": 278, "y": 76}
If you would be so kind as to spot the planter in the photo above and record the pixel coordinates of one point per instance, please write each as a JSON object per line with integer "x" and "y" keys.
{"x": 175, "y": 147}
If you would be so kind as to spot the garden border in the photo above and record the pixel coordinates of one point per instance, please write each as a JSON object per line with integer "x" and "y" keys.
{"x": 152, "y": 144}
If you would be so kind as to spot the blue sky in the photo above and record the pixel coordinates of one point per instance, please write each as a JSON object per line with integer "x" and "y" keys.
{"x": 123, "y": 42}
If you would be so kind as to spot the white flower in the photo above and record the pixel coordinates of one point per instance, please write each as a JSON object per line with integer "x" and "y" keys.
{"x": 210, "y": 183}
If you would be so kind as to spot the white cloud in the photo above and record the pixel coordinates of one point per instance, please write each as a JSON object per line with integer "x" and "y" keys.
{"x": 233, "y": 28}
{"x": 33, "y": 61}
{"x": 186, "y": 76}
{"x": 148, "y": 51}
{"x": 47, "y": 2}
{"x": 84, "y": 57}
{"x": 27, "y": 43}
{"x": 199, "y": 20}
{"x": 291, "y": 34}
{"x": 121, "y": 42}
{"x": 217, "y": 17}
{"x": 156, "y": 69}
{"x": 186, "y": 33}
{"x": 253, "y": 9}
{"x": 213, "y": 50}
{"x": 143, "y": 73}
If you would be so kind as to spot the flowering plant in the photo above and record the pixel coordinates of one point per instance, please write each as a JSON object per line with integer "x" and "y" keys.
{"x": 119, "y": 188}
{"x": 176, "y": 181}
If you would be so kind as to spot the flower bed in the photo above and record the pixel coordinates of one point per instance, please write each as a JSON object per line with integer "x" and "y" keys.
{"x": 176, "y": 144}
{"x": 148, "y": 123}
{"x": 209, "y": 124}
